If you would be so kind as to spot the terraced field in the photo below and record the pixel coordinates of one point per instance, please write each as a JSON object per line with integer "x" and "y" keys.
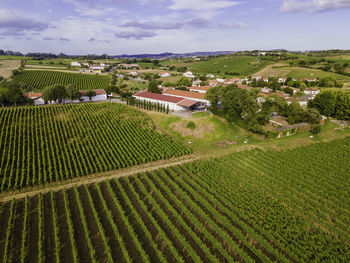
{"x": 250, "y": 206}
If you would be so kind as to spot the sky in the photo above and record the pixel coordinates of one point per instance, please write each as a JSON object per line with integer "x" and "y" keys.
{"x": 114, "y": 27}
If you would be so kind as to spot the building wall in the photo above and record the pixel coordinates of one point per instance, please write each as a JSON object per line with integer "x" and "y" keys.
{"x": 172, "y": 106}
{"x": 200, "y": 100}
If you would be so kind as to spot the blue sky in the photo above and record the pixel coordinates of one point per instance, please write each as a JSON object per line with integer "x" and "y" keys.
{"x": 154, "y": 26}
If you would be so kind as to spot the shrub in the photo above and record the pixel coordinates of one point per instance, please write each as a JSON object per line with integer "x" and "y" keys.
{"x": 191, "y": 125}
{"x": 315, "y": 129}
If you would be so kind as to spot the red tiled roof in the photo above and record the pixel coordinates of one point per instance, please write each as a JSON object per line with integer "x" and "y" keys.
{"x": 187, "y": 103}
{"x": 205, "y": 88}
{"x": 33, "y": 95}
{"x": 185, "y": 94}
{"x": 97, "y": 91}
{"x": 156, "y": 96}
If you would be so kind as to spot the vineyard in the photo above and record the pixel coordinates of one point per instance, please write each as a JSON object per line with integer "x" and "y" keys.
{"x": 251, "y": 206}
{"x": 54, "y": 143}
{"x": 38, "y": 79}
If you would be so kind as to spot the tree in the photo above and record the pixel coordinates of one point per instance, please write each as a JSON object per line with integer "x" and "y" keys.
{"x": 72, "y": 92}
{"x": 153, "y": 87}
{"x": 14, "y": 93}
{"x": 312, "y": 116}
{"x": 90, "y": 94}
{"x": 59, "y": 92}
{"x": 288, "y": 90}
{"x": 48, "y": 94}
{"x": 316, "y": 129}
{"x": 183, "y": 81}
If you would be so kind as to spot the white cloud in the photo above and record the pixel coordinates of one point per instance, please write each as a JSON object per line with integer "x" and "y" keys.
{"x": 202, "y": 5}
{"x": 313, "y": 6}
{"x": 89, "y": 8}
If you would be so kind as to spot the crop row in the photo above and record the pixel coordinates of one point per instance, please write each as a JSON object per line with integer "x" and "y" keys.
{"x": 38, "y": 79}
{"x": 229, "y": 209}
{"x": 47, "y": 144}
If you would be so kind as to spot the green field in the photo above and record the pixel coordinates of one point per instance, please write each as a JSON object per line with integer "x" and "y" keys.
{"x": 39, "y": 145}
{"x": 39, "y": 79}
{"x": 239, "y": 64}
{"x": 314, "y": 73}
{"x": 250, "y": 206}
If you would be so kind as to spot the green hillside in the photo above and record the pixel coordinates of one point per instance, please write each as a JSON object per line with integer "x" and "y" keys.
{"x": 239, "y": 65}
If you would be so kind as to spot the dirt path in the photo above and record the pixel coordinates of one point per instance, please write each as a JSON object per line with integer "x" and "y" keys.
{"x": 94, "y": 178}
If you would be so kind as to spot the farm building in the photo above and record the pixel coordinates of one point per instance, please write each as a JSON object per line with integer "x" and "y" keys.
{"x": 173, "y": 102}
{"x": 75, "y": 64}
{"x": 200, "y": 97}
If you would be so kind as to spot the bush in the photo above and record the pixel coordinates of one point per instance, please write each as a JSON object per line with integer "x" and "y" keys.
{"x": 271, "y": 134}
{"x": 315, "y": 129}
{"x": 191, "y": 125}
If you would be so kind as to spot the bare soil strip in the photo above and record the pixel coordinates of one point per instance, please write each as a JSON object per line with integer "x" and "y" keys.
{"x": 94, "y": 178}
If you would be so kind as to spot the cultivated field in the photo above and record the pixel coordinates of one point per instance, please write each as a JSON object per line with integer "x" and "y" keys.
{"x": 250, "y": 206}
{"x": 39, "y": 145}
{"x": 6, "y": 67}
{"x": 238, "y": 65}
{"x": 38, "y": 79}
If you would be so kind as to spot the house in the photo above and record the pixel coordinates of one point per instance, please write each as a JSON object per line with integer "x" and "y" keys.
{"x": 173, "y": 102}
{"x": 281, "y": 80}
{"x": 101, "y": 95}
{"x": 197, "y": 59}
{"x": 312, "y": 91}
{"x": 188, "y": 74}
{"x": 213, "y": 83}
{"x": 128, "y": 66}
{"x": 232, "y": 81}
{"x": 210, "y": 76}
{"x": 164, "y": 74}
{"x": 196, "y": 83}
{"x": 134, "y": 73}
{"x": 196, "y": 96}
{"x": 36, "y": 97}
{"x": 199, "y": 89}
{"x": 75, "y": 64}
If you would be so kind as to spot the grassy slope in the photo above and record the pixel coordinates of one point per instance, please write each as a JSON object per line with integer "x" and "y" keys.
{"x": 222, "y": 130}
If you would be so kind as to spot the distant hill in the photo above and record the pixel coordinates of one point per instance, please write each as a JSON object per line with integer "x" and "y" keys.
{"x": 175, "y": 55}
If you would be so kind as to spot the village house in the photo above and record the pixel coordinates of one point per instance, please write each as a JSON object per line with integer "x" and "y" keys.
{"x": 188, "y": 74}
{"x": 75, "y": 64}
{"x": 210, "y": 76}
{"x": 101, "y": 95}
{"x": 133, "y": 73}
{"x": 312, "y": 91}
{"x": 199, "y": 89}
{"x": 164, "y": 74}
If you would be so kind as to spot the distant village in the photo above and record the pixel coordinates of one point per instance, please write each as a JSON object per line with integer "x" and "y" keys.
{"x": 193, "y": 98}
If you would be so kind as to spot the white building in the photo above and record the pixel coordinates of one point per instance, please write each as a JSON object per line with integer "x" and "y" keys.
{"x": 174, "y": 103}
{"x": 134, "y": 73}
{"x": 199, "y": 89}
{"x": 164, "y": 74}
{"x": 36, "y": 97}
{"x": 311, "y": 91}
{"x": 188, "y": 74}
{"x": 75, "y": 64}
{"x": 210, "y": 76}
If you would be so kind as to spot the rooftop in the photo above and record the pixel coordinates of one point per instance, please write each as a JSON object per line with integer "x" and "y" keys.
{"x": 184, "y": 93}
{"x": 156, "y": 96}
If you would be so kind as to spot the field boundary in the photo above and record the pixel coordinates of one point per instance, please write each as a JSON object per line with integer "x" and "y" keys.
{"x": 99, "y": 177}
